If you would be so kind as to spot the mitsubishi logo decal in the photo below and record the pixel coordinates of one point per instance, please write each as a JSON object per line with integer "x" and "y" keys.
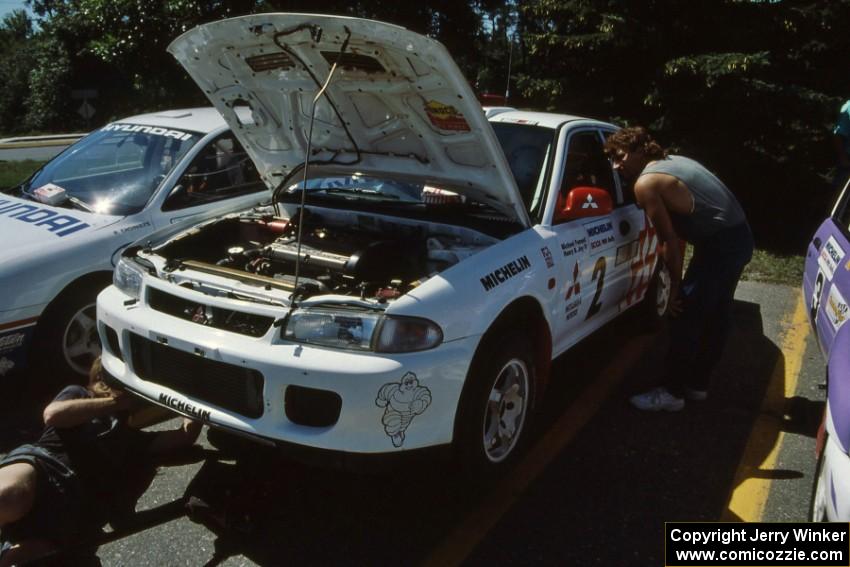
{"x": 589, "y": 204}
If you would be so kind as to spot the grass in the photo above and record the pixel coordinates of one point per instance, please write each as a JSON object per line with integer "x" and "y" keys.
{"x": 767, "y": 267}
{"x": 772, "y": 268}
{"x": 13, "y": 172}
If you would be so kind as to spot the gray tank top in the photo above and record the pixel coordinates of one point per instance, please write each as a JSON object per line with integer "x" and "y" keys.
{"x": 715, "y": 207}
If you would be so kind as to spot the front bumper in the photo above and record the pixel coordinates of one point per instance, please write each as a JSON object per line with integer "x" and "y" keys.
{"x": 376, "y": 413}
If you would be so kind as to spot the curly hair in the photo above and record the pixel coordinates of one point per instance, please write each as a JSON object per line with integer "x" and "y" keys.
{"x": 630, "y": 140}
{"x": 101, "y": 384}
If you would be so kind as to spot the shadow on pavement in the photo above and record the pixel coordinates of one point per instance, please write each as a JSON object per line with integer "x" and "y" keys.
{"x": 603, "y": 500}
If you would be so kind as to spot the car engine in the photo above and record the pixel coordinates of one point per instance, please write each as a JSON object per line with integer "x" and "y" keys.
{"x": 367, "y": 256}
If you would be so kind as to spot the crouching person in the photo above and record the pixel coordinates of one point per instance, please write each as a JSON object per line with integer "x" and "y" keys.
{"x": 56, "y": 491}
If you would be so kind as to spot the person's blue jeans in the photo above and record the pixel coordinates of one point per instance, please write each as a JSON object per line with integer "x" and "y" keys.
{"x": 699, "y": 333}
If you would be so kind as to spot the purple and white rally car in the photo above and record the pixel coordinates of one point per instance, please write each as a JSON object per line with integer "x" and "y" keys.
{"x": 826, "y": 285}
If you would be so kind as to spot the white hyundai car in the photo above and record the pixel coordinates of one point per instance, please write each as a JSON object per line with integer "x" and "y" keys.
{"x": 63, "y": 228}
{"x": 418, "y": 271}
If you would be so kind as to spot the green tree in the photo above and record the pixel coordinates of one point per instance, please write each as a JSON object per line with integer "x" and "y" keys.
{"x": 16, "y": 59}
{"x": 747, "y": 87}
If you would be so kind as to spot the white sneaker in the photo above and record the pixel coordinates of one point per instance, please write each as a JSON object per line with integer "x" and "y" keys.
{"x": 696, "y": 395}
{"x": 657, "y": 399}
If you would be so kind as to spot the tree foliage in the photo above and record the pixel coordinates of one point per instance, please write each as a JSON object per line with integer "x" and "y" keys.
{"x": 749, "y": 87}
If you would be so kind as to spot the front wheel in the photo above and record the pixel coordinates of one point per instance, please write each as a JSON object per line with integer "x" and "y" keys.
{"x": 496, "y": 409}
{"x": 66, "y": 341}
{"x": 817, "y": 512}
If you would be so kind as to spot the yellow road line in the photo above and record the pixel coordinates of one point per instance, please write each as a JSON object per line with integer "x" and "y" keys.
{"x": 751, "y": 487}
{"x": 463, "y": 539}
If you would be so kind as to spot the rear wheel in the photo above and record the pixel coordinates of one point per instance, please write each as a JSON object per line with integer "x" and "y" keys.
{"x": 653, "y": 308}
{"x": 496, "y": 409}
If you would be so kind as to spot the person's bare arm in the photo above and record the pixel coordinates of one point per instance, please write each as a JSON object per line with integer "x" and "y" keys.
{"x": 185, "y": 436}
{"x": 70, "y": 413}
{"x": 648, "y": 193}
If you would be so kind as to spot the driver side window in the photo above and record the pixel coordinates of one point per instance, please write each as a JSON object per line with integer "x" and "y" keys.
{"x": 586, "y": 166}
{"x": 221, "y": 170}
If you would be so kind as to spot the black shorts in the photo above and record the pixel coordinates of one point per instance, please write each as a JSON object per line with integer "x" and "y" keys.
{"x": 58, "y": 510}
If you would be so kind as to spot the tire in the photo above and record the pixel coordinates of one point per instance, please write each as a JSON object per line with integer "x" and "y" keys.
{"x": 817, "y": 510}
{"x": 653, "y": 308}
{"x": 496, "y": 407}
{"x": 66, "y": 341}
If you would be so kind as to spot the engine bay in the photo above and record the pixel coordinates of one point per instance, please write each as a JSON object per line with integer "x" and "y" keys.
{"x": 341, "y": 252}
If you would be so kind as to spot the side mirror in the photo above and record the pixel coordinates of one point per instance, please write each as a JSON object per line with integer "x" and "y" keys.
{"x": 582, "y": 202}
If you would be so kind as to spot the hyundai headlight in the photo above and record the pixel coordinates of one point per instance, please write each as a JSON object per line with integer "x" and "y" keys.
{"x": 128, "y": 277}
{"x": 362, "y": 330}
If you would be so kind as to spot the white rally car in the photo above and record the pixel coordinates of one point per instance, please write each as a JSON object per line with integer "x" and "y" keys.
{"x": 377, "y": 319}
{"x": 63, "y": 228}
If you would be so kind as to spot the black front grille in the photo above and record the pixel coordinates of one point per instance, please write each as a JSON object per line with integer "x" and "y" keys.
{"x": 227, "y": 386}
{"x": 216, "y": 317}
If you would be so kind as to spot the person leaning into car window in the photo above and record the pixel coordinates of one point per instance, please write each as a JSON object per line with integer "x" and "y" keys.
{"x": 57, "y": 490}
{"x": 685, "y": 200}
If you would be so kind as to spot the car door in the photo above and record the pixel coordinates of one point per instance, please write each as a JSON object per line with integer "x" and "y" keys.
{"x": 219, "y": 173}
{"x": 588, "y": 243}
{"x": 826, "y": 281}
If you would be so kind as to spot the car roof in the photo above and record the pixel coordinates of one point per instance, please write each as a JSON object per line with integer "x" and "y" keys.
{"x": 204, "y": 120}
{"x": 545, "y": 119}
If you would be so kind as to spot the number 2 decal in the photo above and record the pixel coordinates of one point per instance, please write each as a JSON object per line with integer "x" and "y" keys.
{"x": 599, "y": 278}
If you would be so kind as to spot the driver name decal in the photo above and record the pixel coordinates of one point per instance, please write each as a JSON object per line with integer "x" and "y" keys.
{"x": 58, "y": 224}
{"x": 505, "y": 273}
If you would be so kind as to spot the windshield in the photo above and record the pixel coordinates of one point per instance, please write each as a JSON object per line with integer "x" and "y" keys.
{"x": 528, "y": 149}
{"x": 116, "y": 169}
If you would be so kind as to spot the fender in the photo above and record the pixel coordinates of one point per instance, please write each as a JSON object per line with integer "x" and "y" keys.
{"x": 838, "y": 388}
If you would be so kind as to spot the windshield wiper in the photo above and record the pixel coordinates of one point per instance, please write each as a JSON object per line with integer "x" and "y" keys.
{"x": 79, "y": 204}
{"x": 358, "y": 191}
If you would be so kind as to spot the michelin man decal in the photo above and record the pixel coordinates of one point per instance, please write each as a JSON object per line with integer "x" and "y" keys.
{"x": 402, "y": 401}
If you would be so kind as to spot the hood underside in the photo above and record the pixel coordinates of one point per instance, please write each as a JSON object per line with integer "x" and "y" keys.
{"x": 397, "y": 105}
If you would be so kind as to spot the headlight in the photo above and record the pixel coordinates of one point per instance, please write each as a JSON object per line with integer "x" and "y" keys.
{"x": 361, "y": 330}
{"x": 339, "y": 329}
{"x": 127, "y": 277}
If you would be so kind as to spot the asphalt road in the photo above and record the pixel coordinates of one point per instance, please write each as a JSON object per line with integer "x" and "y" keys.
{"x": 596, "y": 486}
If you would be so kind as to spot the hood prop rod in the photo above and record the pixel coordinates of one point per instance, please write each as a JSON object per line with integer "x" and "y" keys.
{"x": 319, "y": 95}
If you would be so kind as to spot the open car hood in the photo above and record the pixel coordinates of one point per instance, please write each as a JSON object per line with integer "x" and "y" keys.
{"x": 397, "y": 104}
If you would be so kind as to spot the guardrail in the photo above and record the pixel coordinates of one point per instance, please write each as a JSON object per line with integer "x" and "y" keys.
{"x": 36, "y": 141}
